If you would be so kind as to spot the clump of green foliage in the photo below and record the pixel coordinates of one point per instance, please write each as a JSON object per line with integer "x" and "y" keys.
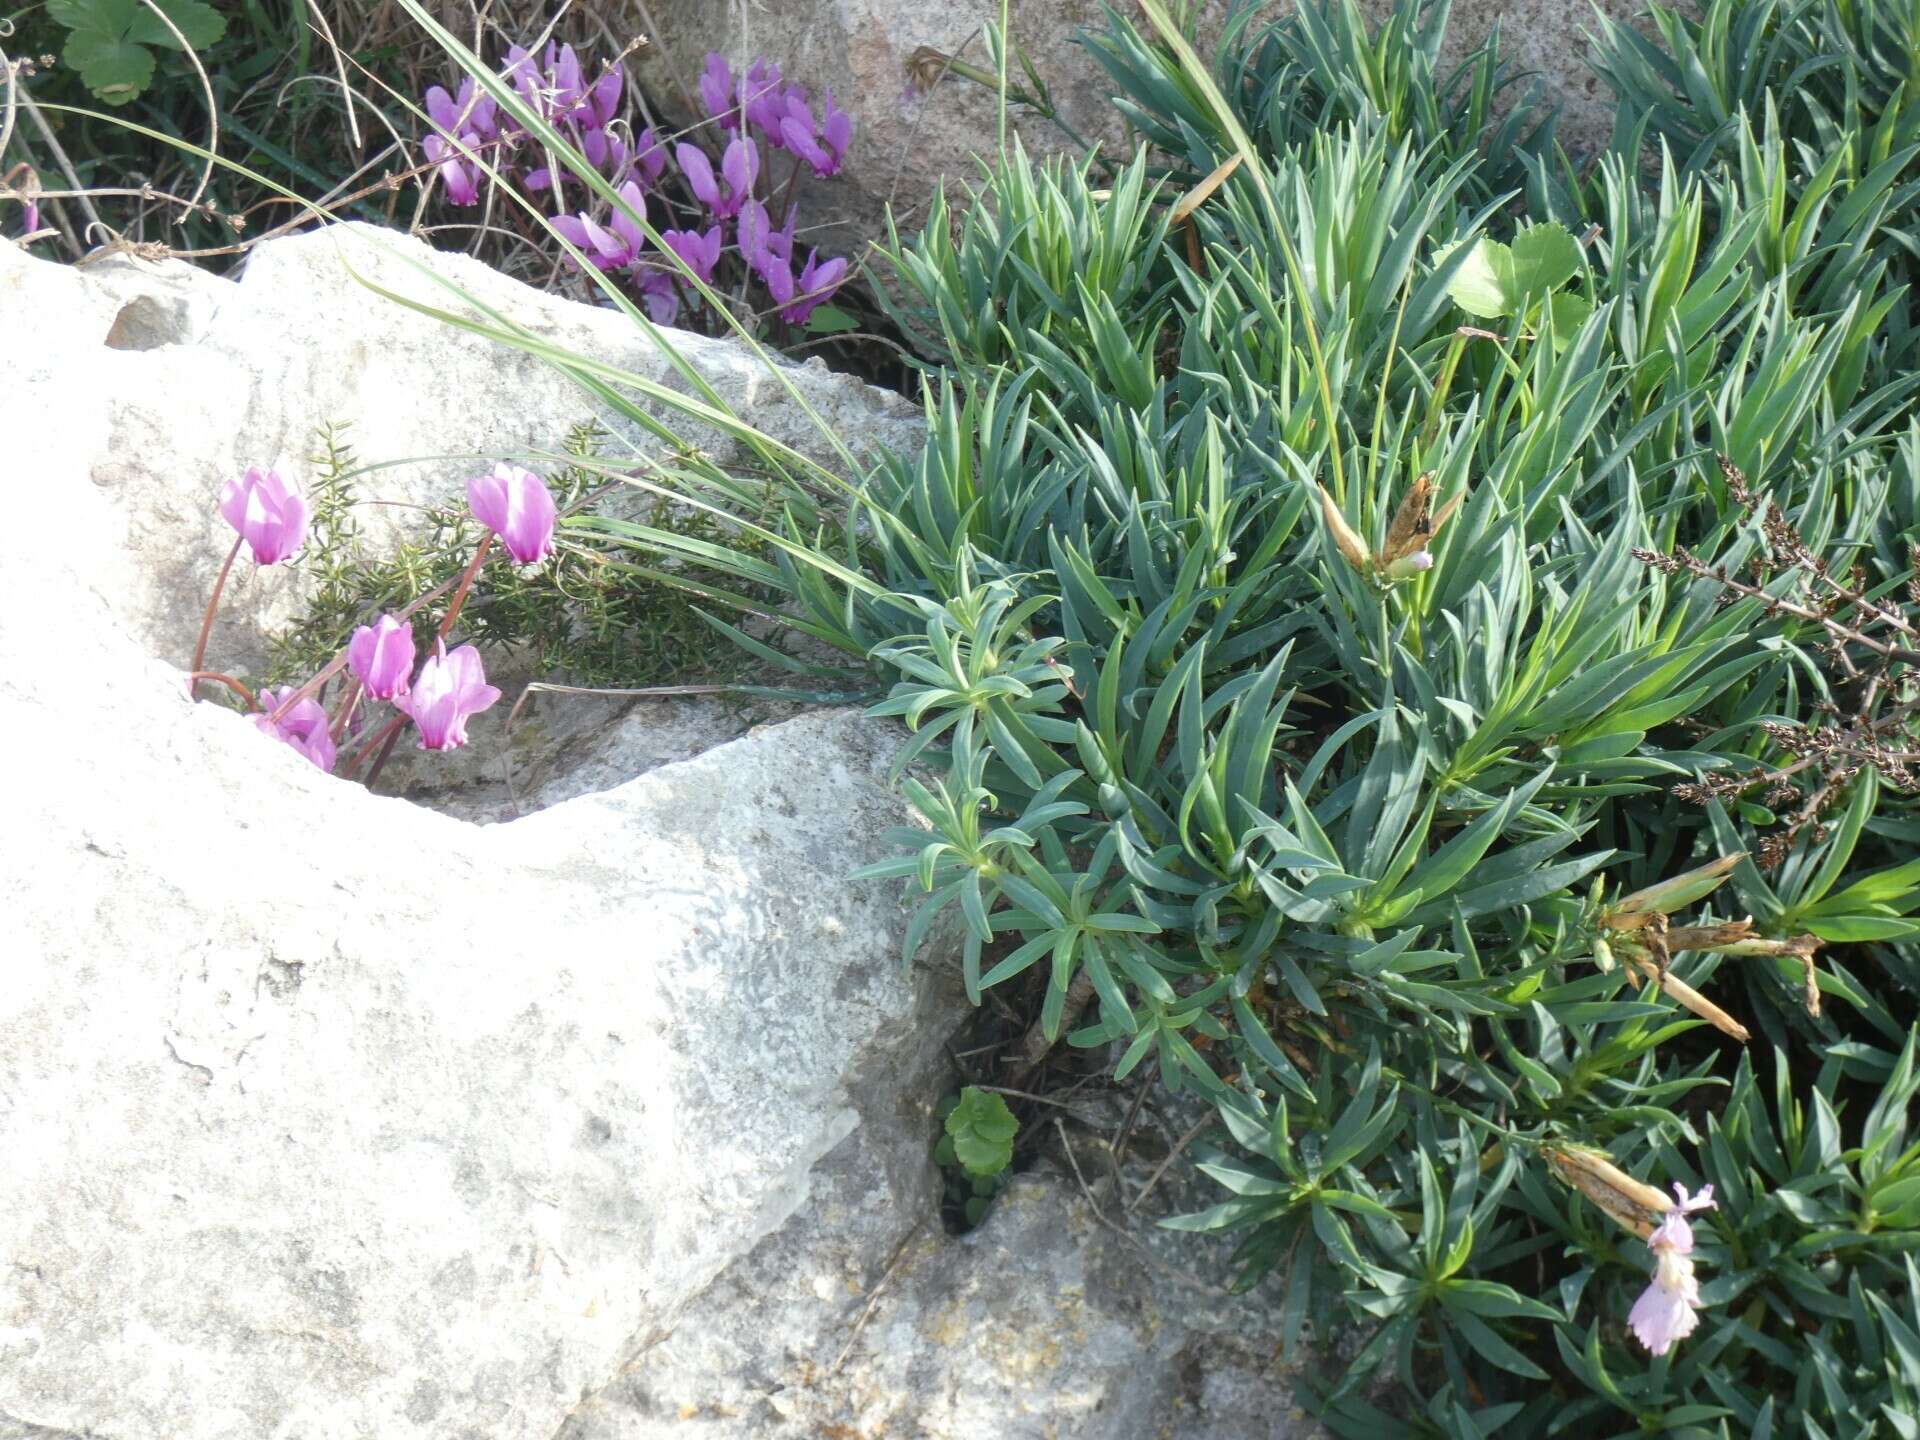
{"x": 585, "y": 616}
{"x": 110, "y": 44}
{"x": 1332, "y": 594}
{"x": 975, "y": 1152}
{"x": 265, "y": 68}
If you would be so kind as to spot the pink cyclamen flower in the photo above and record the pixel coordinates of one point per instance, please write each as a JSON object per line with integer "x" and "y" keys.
{"x": 459, "y": 172}
{"x": 662, "y": 297}
{"x": 762, "y": 99}
{"x": 450, "y": 688}
{"x": 466, "y": 115}
{"x": 1668, "y": 1309}
{"x": 816, "y": 286}
{"x": 380, "y": 656}
{"x": 603, "y": 100}
{"x": 824, "y": 149}
{"x": 739, "y": 166}
{"x": 270, "y": 512}
{"x": 700, "y": 251}
{"x": 304, "y": 726}
{"x": 716, "y": 91}
{"x": 649, "y": 156}
{"x": 615, "y": 245}
{"x": 517, "y": 506}
{"x": 836, "y": 130}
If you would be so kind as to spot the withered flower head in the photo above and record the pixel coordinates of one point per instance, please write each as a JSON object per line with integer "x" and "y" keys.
{"x": 1631, "y": 1204}
{"x": 1635, "y": 911}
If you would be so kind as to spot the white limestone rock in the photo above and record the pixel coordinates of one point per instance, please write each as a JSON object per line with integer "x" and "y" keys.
{"x": 161, "y": 383}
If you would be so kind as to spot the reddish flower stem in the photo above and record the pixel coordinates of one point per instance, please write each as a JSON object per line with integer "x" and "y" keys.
{"x": 379, "y": 760}
{"x": 206, "y": 624}
{"x": 253, "y": 701}
{"x": 466, "y": 584}
{"x": 386, "y": 738}
{"x": 383, "y": 741}
{"x": 352, "y": 702}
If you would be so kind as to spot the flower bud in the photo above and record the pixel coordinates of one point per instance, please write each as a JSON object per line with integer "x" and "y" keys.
{"x": 1408, "y": 566}
{"x": 381, "y": 657}
{"x": 1349, "y": 543}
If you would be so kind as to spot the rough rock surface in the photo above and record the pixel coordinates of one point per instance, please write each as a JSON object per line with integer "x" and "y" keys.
{"x": 1069, "y": 1314}
{"x": 1043, "y": 1324}
{"x": 166, "y": 381}
{"x": 909, "y": 137}
{"x": 329, "y": 1116}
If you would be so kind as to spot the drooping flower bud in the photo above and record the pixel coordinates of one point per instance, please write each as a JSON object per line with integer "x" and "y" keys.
{"x": 381, "y": 657}
{"x": 1636, "y": 911}
{"x": 1344, "y": 536}
{"x": 269, "y": 512}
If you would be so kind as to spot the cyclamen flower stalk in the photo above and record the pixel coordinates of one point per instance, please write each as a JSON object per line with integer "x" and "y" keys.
{"x": 271, "y": 516}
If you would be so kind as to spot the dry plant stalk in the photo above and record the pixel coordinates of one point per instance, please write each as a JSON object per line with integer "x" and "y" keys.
{"x": 1873, "y": 647}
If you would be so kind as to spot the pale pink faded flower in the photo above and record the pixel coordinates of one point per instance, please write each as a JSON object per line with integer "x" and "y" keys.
{"x": 1668, "y": 1309}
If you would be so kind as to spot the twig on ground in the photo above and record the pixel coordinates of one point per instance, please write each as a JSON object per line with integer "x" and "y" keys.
{"x": 873, "y": 1295}
{"x": 1172, "y": 1155}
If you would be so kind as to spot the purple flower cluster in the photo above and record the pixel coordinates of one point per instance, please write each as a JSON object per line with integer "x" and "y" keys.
{"x": 556, "y": 89}
{"x": 757, "y": 111}
{"x": 779, "y": 112}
